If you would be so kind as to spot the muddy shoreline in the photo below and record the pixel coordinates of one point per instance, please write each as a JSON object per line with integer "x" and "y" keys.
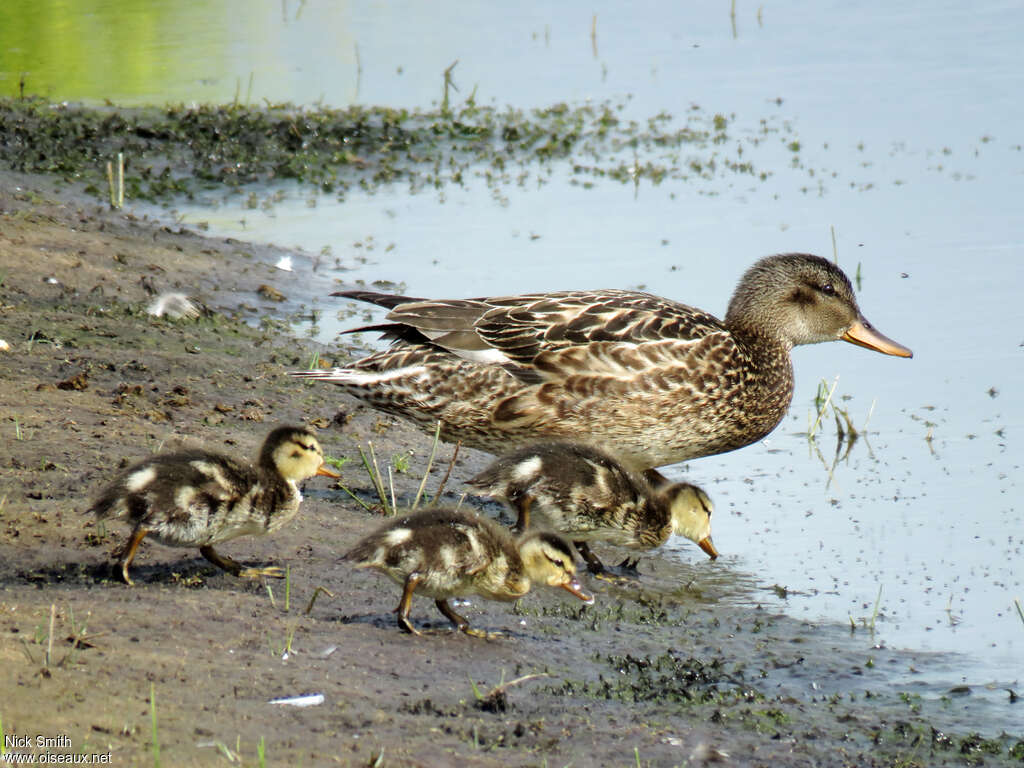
{"x": 684, "y": 669}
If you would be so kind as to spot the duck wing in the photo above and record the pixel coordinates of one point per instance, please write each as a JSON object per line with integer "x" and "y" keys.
{"x": 528, "y": 331}
{"x": 524, "y": 328}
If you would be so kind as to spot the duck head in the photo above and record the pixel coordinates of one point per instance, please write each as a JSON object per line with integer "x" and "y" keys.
{"x": 799, "y": 298}
{"x": 690, "y": 510}
{"x": 549, "y": 559}
{"x": 295, "y": 453}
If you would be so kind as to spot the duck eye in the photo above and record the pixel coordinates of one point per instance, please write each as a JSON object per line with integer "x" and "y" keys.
{"x": 828, "y": 289}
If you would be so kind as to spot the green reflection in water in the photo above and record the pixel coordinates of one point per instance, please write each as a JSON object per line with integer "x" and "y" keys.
{"x": 125, "y": 50}
{"x": 128, "y": 51}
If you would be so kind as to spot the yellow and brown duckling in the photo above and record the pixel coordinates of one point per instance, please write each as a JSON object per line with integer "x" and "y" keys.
{"x": 444, "y": 553}
{"x": 660, "y": 381}
{"x": 582, "y": 492}
{"x": 198, "y": 499}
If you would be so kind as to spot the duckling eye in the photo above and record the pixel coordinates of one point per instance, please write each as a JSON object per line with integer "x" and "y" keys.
{"x": 828, "y": 289}
{"x": 296, "y": 454}
{"x": 558, "y": 563}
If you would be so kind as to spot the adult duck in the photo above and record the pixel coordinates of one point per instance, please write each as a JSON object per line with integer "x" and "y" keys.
{"x": 649, "y": 379}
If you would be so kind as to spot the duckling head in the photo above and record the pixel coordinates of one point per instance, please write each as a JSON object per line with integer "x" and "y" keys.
{"x": 549, "y": 559}
{"x": 690, "y": 510}
{"x": 295, "y": 453}
{"x": 803, "y": 299}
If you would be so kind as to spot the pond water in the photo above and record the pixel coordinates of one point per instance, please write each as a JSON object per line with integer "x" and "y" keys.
{"x": 909, "y": 166}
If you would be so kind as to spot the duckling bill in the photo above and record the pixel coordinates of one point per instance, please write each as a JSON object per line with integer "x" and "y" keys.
{"x": 582, "y": 492}
{"x": 445, "y": 553}
{"x": 199, "y": 499}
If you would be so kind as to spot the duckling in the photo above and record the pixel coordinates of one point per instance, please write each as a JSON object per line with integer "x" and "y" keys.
{"x": 443, "y": 553}
{"x": 584, "y": 493}
{"x": 198, "y": 499}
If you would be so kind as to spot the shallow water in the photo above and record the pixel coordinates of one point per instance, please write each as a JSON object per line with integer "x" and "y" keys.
{"x": 905, "y": 116}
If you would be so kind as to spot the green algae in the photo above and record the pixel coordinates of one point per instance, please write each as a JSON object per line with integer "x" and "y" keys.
{"x": 182, "y": 151}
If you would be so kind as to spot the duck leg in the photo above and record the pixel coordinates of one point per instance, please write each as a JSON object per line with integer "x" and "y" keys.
{"x": 458, "y": 620}
{"x": 594, "y": 565}
{"x": 524, "y": 514}
{"x": 237, "y": 569}
{"x": 622, "y": 573}
{"x": 405, "y": 603}
{"x": 462, "y": 624}
{"x": 629, "y": 566}
{"x": 655, "y": 478}
{"x": 128, "y": 554}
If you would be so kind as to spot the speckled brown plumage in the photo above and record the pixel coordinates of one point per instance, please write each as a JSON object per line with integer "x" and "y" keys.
{"x": 198, "y": 498}
{"x": 650, "y": 379}
{"x": 585, "y": 494}
{"x": 444, "y": 553}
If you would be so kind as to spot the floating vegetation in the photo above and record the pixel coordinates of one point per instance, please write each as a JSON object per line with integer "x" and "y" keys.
{"x": 847, "y": 434}
{"x": 178, "y": 150}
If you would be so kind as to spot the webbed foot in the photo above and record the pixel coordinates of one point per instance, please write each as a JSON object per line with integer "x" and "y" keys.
{"x": 263, "y": 572}
{"x": 482, "y": 633}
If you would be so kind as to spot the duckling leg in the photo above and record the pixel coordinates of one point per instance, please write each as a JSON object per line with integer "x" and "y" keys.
{"x": 594, "y": 565}
{"x": 459, "y": 621}
{"x": 462, "y": 624}
{"x": 128, "y": 553}
{"x": 524, "y": 514}
{"x": 237, "y": 569}
{"x": 629, "y": 566}
{"x": 598, "y": 569}
{"x": 655, "y": 478}
{"x": 405, "y": 603}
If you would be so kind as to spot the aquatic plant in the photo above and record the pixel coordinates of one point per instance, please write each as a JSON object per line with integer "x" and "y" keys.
{"x": 184, "y": 150}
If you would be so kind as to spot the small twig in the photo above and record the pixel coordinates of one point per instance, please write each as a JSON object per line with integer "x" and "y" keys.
{"x": 316, "y": 594}
{"x": 448, "y": 472}
{"x": 374, "y": 476}
{"x": 874, "y": 613}
{"x": 49, "y": 640}
{"x": 391, "y": 484}
{"x": 824, "y": 407}
{"x": 1020, "y": 611}
{"x": 430, "y": 463}
{"x": 359, "y": 501}
{"x": 871, "y": 410}
{"x": 380, "y": 479}
{"x": 287, "y": 587}
{"x": 448, "y": 83}
{"x": 499, "y": 689}
{"x": 28, "y": 653}
{"x": 110, "y": 184}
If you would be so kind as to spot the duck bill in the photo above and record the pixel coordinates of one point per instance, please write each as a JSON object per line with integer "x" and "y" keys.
{"x": 576, "y": 590}
{"x": 863, "y": 334}
{"x": 327, "y": 473}
{"x": 708, "y": 546}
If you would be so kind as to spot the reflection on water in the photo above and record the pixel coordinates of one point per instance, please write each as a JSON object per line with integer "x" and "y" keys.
{"x": 898, "y": 137}
{"x": 146, "y": 51}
